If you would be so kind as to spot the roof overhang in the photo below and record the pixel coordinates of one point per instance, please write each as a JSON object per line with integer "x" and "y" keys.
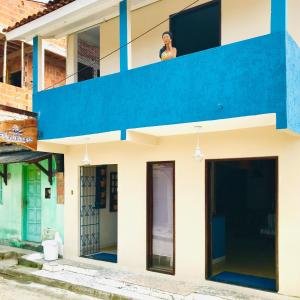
{"x": 62, "y": 21}
{"x": 71, "y": 18}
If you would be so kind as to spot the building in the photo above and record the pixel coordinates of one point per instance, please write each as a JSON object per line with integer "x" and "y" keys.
{"x": 137, "y": 192}
{"x": 31, "y": 197}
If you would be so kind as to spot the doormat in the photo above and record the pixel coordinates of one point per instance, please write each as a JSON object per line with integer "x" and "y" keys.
{"x": 105, "y": 257}
{"x": 250, "y": 281}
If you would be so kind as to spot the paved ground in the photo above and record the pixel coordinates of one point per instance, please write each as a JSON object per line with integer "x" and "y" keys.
{"x": 12, "y": 290}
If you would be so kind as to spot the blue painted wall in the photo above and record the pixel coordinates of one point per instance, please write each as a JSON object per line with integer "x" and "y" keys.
{"x": 123, "y": 36}
{"x": 245, "y": 78}
{"x": 35, "y": 61}
{"x": 293, "y": 84}
{"x": 278, "y": 15}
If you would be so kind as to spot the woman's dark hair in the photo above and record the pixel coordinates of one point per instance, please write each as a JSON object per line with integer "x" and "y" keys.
{"x": 163, "y": 49}
{"x": 168, "y": 33}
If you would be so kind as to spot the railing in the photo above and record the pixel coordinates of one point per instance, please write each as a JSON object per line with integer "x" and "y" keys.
{"x": 241, "y": 79}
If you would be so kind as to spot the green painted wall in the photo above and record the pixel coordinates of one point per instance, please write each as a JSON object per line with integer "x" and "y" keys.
{"x": 11, "y": 215}
{"x": 11, "y": 207}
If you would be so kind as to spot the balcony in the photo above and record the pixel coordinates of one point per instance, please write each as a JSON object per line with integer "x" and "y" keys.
{"x": 243, "y": 79}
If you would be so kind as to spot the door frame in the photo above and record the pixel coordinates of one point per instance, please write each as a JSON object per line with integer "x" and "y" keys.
{"x": 149, "y": 219}
{"x": 208, "y": 235}
{"x": 24, "y": 206}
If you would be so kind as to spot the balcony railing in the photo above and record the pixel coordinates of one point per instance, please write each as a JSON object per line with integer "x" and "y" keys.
{"x": 241, "y": 79}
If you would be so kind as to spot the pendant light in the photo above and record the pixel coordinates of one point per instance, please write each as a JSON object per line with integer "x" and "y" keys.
{"x": 198, "y": 154}
{"x": 86, "y": 160}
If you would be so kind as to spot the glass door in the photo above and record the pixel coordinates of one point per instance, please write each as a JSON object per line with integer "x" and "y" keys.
{"x": 160, "y": 214}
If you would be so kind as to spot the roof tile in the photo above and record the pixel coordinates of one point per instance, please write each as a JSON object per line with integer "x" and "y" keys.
{"x": 50, "y": 7}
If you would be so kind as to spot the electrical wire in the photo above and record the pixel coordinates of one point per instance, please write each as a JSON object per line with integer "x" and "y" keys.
{"x": 122, "y": 46}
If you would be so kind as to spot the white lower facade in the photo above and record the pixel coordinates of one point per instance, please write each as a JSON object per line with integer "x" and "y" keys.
{"x": 190, "y": 192}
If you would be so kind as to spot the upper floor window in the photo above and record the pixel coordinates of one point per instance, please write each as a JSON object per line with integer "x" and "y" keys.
{"x": 88, "y": 54}
{"x": 197, "y": 28}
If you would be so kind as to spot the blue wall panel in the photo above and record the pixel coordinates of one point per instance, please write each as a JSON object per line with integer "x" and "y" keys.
{"x": 35, "y": 61}
{"x": 241, "y": 79}
{"x": 293, "y": 84}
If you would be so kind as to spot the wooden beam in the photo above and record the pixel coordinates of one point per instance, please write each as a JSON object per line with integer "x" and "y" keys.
{"x": 4, "y": 174}
{"x": 18, "y": 111}
{"x": 48, "y": 172}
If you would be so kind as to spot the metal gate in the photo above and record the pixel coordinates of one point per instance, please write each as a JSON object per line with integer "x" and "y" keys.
{"x": 89, "y": 213}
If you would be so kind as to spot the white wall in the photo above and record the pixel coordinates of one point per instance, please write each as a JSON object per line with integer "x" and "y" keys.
{"x": 293, "y": 19}
{"x": 240, "y": 20}
{"x": 190, "y": 197}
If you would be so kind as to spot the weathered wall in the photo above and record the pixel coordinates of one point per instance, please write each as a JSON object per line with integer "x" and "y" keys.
{"x": 11, "y": 211}
{"x": 15, "y": 96}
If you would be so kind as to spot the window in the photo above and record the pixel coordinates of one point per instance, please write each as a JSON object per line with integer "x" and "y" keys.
{"x": 15, "y": 79}
{"x": 88, "y": 54}
{"x": 160, "y": 217}
{"x": 197, "y": 29}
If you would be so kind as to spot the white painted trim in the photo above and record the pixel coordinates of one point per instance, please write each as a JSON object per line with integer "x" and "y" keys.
{"x": 41, "y": 65}
{"x": 264, "y": 120}
{"x": 52, "y": 48}
{"x": 104, "y": 137}
{"x": 54, "y": 24}
{"x": 71, "y": 59}
{"x": 48, "y": 24}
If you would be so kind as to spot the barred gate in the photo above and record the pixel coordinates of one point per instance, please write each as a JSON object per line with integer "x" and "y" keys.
{"x": 89, "y": 214}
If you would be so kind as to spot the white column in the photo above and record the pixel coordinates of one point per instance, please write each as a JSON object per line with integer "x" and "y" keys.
{"x": 71, "y": 61}
{"x": 41, "y": 65}
{"x": 5, "y": 61}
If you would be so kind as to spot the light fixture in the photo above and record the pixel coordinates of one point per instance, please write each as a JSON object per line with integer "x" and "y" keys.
{"x": 86, "y": 160}
{"x": 198, "y": 154}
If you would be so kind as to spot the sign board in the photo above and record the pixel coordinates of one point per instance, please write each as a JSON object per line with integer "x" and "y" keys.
{"x": 20, "y": 132}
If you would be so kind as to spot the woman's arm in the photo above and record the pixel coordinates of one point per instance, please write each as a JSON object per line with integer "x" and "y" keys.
{"x": 174, "y": 52}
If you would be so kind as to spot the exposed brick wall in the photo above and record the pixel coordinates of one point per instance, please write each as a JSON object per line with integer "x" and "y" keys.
{"x": 54, "y": 69}
{"x": 15, "y": 97}
{"x": 12, "y": 11}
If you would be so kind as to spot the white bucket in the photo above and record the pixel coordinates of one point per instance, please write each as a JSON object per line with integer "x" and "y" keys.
{"x": 50, "y": 250}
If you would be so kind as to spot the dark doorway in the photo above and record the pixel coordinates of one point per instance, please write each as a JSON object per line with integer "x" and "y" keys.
{"x": 99, "y": 212}
{"x": 241, "y": 222}
{"x": 197, "y": 29}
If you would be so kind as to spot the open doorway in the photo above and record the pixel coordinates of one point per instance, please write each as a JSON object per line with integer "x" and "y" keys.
{"x": 241, "y": 219}
{"x": 99, "y": 212}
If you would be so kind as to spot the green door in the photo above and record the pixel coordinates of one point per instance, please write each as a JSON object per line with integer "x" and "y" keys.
{"x": 32, "y": 204}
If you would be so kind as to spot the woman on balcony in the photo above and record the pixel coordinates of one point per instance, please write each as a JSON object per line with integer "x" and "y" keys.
{"x": 167, "y": 51}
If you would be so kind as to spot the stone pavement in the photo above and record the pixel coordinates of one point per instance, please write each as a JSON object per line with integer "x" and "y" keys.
{"x": 114, "y": 283}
